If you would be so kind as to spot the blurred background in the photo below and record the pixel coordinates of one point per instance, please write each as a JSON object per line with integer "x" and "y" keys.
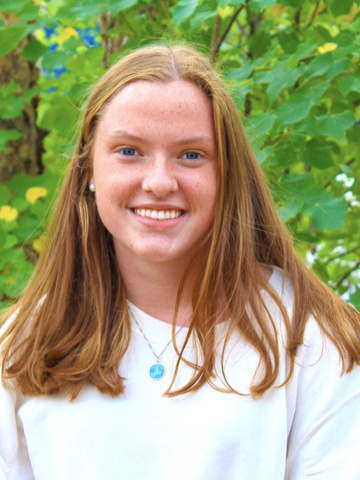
{"x": 292, "y": 67}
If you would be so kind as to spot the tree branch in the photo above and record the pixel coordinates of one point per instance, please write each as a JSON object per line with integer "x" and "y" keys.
{"x": 214, "y": 39}
{"x": 168, "y": 19}
{"x": 242, "y": 29}
{"x": 313, "y": 15}
{"x": 217, "y": 42}
{"x": 347, "y": 163}
{"x": 343, "y": 254}
{"x": 347, "y": 274}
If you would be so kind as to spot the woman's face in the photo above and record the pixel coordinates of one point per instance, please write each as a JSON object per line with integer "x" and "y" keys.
{"x": 155, "y": 170}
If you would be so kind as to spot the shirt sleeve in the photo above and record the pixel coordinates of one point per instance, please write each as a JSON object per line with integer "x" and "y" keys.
{"x": 324, "y": 441}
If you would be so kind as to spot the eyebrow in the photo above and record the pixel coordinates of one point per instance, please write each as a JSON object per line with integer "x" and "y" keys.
{"x": 185, "y": 141}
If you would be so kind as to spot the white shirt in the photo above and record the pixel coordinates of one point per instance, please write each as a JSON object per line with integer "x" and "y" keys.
{"x": 308, "y": 429}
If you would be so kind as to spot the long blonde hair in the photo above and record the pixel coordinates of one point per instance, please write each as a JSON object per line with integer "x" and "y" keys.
{"x": 72, "y": 324}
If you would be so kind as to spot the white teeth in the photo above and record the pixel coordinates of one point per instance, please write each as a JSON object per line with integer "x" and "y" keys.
{"x": 158, "y": 214}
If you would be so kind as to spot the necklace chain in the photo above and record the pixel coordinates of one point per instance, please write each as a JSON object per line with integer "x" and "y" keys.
{"x": 147, "y": 340}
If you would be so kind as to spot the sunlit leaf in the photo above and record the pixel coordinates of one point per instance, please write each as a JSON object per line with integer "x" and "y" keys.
{"x": 184, "y": 9}
{"x": 6, "y": 135}
{"x": 10, "y": 38}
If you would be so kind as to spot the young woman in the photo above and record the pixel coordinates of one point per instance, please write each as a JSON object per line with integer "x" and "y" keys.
{"x": 170, "y": 331}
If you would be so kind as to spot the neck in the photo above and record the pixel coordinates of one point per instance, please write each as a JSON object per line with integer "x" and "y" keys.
{"x": 153, "y": 288}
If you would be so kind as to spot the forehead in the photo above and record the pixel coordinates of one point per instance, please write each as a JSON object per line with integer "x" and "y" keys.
{"x": 171, "y": 96}
{"x": 176, "y": 106}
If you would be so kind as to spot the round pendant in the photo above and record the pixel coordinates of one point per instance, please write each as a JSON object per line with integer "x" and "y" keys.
{"x": 157, "y": 371}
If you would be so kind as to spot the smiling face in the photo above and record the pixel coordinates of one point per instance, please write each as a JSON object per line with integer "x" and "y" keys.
{"x": 155, "y": 170}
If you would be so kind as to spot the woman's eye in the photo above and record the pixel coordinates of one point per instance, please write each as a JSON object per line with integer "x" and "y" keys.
{"x": 192, "y": 155}
{"x": 129, "y": 152}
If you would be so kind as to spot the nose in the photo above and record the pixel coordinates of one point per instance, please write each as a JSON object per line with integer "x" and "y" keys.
{"x": 159, "y": 178}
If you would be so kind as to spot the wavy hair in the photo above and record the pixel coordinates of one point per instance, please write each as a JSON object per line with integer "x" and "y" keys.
{"x": 72, "y": 326}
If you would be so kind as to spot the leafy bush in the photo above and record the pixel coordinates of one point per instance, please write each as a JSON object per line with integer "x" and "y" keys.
{"x": 292, "y": 66}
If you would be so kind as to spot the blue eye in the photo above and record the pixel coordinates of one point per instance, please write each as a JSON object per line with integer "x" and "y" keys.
{"x": 129, "y": 151}
{"x": 192, "y": 155}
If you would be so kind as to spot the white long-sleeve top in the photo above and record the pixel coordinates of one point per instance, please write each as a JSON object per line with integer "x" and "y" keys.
{"x": 309, "y": 429}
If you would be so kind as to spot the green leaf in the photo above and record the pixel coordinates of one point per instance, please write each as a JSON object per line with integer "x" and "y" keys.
{"x": 327, "y": 64}
{"x": 290, "y": 209}
{"x": 318, "y": 154}
{"x": 341, "y": 7}
{"x": 59, "y": 114}
{"x": 326, "y": 211}
{"x": 10, "y": 38}
{"x": 184, "y": 9}
{"x": 296, "y": 109}
{"x": 201, "y": 18}
{"x": 18, "y": 184}
{"x": 33, "y": 50}
{"x": 116, "y": 6}
{"x": 349, "y": 84}
{"x": 334, "y": 126}
{"x": 241, "y": 73}
{"x": 29, "y": 12}
{"x": 21, "y": 204}
{"x": 54, "y": 59}
{"x": 81, "y": 9}
{"x": 234, "y": 3}
{"x": 260, "y": 124}
{"x": 5, "y": 195}
{"x": 13, "y": 6}
{"x": 355, "y": 298}
{"x": 320, "y": 270}
{"x": 264, "y": 3}
{"x": 2, "y": 238}
{"x": 6, "y": 135}
{"x": 87, "y": 63}
{"x": 278, "y": 78}
{"x": 11, "y": 240}
{"x": 289, "y": 40}
{"x": 259, "y": 43}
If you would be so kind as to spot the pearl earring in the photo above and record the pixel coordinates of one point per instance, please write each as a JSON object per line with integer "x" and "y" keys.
{"x": 91, "y": 187}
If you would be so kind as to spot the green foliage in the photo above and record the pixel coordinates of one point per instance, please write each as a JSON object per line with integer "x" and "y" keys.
{"x": 292, "y": 66}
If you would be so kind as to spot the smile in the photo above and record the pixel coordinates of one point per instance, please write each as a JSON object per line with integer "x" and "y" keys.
{"x": 158, "y": 214}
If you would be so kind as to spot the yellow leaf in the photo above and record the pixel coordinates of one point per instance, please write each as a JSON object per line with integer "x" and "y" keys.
{"x": 10, "y": 281}
{"x": 327, "y": 47}
{"x": 8, "y": 213}
{"x": 33, "y": 193}
{"x": 225, "y": 12}
{"x": 353, "y": 12}
{"x": 39, "y": 243}
{"x": 67, "y": 33}
{"x": 278, "y": 10}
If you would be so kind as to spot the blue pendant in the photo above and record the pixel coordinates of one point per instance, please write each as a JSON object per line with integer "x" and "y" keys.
{"x": 157, "y": 371}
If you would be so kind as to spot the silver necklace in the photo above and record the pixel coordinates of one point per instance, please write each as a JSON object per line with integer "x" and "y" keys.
{"x": 157, "y": 371}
